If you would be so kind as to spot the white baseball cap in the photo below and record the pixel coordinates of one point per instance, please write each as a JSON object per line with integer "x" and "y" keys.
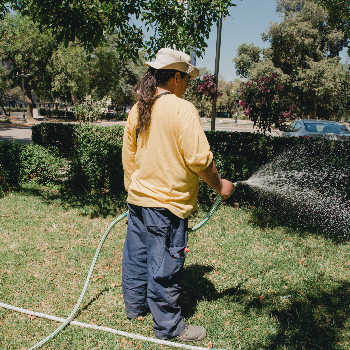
{"x": 172, "y": 59}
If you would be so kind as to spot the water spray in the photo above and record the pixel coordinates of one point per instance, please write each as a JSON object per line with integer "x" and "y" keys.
{"x": 306, "y": 187}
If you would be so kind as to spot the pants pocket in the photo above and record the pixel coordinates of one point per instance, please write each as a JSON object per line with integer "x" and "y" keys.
{"x": 172, "y": 263}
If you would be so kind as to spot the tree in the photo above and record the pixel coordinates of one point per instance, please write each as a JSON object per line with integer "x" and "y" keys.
{"x": 248, "y": 54}
{"x": 304, "y": 52}
{"x": 304, "y": 33}
{"x": 80, "y": 77}
{"x": 339, "y": 15}
{"x": 4, "y": 8}
{"x": 69, "y": 68}
{"x": 3, "y": 87}
{"x": 105, "y": 70}
{"x": 89, "y": 110}
{"x": 4, "y": 84}
{"x": 323, "y": 87}
{"x": 304, "y": 45}
{"x": 130, "y": 74}
{"x": 29, "y": 51}
{"x": 185, "y": 24}
{"x": 7, "y": 87}
{"x": 264, "y": 103}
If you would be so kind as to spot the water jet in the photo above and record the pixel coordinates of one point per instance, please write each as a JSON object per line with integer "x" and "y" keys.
{"x": 305, "y": 188}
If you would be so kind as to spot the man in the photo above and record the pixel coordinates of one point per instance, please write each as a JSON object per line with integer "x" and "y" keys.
{"x": 165, "y": 151}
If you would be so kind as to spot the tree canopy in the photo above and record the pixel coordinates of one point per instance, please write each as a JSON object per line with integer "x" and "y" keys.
{"x": 29, "y": 52}
{"x": 339, "y": 15}
{"x": 185, "y": 23}
{"x": 59, "y": 73}
{"x": 248, "y": 54}
{"x": 304, "y": 52}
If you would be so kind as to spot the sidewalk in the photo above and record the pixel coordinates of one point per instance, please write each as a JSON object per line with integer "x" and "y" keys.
{"x": 229, "y": 124}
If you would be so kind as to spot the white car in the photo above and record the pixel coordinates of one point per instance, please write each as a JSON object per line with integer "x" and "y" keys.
{"x": 318, "y": 128}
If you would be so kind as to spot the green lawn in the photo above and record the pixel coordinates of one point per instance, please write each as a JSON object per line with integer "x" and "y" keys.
{"x": 252, "y": 285}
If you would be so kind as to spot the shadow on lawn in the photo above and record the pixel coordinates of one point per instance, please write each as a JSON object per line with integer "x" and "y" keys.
{"x": 311, "y": 321}
{"x": 310, "y": 318}
{"x": 94, "y": 205}
{"x": 300, "y": 219}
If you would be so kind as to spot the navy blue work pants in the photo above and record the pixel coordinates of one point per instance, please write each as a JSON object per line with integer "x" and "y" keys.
{"x": 153, "y": 258}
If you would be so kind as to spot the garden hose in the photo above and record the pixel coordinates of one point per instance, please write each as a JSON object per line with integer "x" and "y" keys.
{"x": 213, "y": 208}
{"x": 87, "y": 281}
{"x": 71, "y": 316}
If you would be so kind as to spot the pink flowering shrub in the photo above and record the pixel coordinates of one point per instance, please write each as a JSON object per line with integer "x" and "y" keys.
{"x": 208, "y": 88}
{"x": 263, "y": 101}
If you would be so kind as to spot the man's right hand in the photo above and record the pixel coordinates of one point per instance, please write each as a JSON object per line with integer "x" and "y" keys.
{"x": 211, "y": 176}
{"x": 227, "y": 188}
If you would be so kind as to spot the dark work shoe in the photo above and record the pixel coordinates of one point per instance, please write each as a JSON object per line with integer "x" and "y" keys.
{"x": 192, "y": 333}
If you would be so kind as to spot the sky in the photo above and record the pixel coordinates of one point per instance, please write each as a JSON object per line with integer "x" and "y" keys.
{"x": 248, "y": 21}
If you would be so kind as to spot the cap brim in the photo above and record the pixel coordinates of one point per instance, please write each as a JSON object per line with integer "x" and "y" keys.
{"x": 181, "y": 66}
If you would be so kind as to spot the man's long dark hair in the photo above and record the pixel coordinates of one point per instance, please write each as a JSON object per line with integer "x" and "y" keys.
{"x": 147, "y": 90}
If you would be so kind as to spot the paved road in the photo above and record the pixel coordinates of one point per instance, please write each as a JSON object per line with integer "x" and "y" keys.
{"x": 21, "y": 133}
{"x": 18, "y": 131}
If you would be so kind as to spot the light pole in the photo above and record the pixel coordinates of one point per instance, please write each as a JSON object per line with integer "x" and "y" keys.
{"x": 23, "y": 76}
{"x": 236, "y": 108}
{"x": 217, "y": 60}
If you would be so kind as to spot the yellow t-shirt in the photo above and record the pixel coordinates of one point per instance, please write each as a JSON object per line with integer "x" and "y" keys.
{"x": 160, "y": 167}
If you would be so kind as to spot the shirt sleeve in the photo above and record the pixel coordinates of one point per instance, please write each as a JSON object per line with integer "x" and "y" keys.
{"x": 193, "y": 142}
{"x": 129, "y": 148}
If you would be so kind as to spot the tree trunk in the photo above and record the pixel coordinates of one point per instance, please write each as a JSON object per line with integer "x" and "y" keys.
{"x": 74, "y": 99}
{"x": 30, "y": 104}
{"x": 314, "y": 114}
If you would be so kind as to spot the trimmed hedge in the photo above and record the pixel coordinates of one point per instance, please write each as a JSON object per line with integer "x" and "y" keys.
{"x": 10, "y": 169}
{"x": 20, "y": 162}
{"x": 56, "y": 113}
{"x": 87, "y": 159}
{"x": 94, "y": 152}
{"x": 63, "y": 114}
{"x": 96, "y": 160}
{"x": 58, "y": 135}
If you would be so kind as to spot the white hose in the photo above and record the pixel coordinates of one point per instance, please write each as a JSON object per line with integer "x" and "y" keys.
{"x": 87, "y": 281}
{"x": 100, "y": 328}
{"x": 69, "y": 320}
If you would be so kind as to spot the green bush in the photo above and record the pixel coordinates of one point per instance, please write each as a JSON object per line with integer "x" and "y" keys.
{"x": 63, "y": 137}
{"x": 42, "y": 112}
{"x": 42, "y": 164}
{"x": 10, "y": 154}
{"x": 122, "y": 116}
{"x": 56, "y": 113}
{"x": 13, "y": 109}
{"x": 20, "y": 162}
{"x": 95, "y": 154}
{"x": 97, "y": 162}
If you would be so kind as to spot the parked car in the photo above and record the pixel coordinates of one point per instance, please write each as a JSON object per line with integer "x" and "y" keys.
{"x": 318, "y": 128}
